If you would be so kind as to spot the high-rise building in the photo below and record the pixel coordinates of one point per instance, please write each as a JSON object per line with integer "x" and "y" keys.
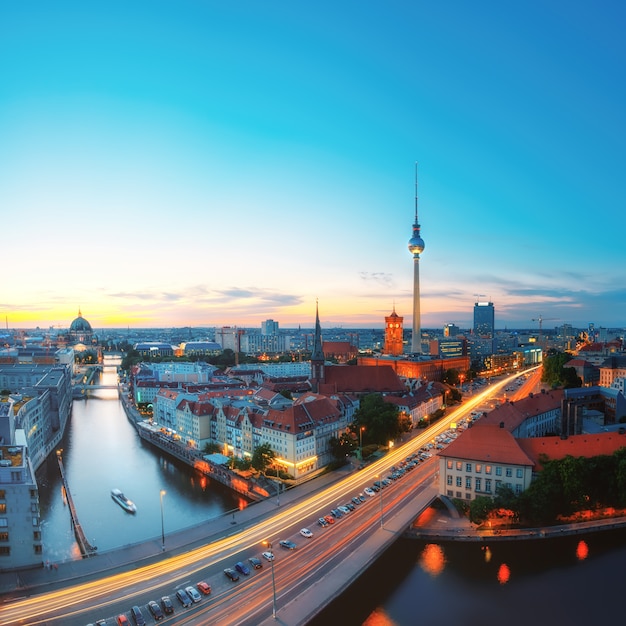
{"x": 416, "y": 247}
{"x": 269, "y": 327}
{"x": 450, "y": 330}
{"x": 484, "y": 319}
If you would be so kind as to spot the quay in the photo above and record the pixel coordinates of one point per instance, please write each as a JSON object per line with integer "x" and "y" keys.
{"x": 86, "y": 549}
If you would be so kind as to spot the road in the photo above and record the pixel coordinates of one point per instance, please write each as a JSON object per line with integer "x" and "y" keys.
{"x": 249, "y": 601}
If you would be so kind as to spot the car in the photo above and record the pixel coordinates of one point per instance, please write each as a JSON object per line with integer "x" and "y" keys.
{"x": 344, "y": 509}
{"x": 168, "y": 606}
{"x": 183, "y": 598}
{"x": 336, "y": 513}
{"x": 205, "y": 588}
{"x": 322, "y": 522}
{"x": 349, "y": 506}
{"x": 288, "y": 545}
{"x": 138, "y": 617}
{"x": 193, "y": 594}
{"x": 356, "y": 500}
{"x": 330, "y": 519}
{"x": 121, "y": 620}
{"x": 156, "y": 611}
{"x": 305, "y": 532}
{"x": 242, "y": 568}
{"x": 256, "y": 563}
{"x": 369, "y": 492}
{"x": 231, "y": 574}
{"x": 362, "y": 498}
{"x": 268, "y": 556}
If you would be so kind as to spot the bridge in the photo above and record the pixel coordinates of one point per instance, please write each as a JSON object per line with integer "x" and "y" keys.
{"x": 300, "y": 584}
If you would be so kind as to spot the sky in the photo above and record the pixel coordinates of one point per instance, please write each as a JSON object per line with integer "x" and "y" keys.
{"x": 204, "y": 163}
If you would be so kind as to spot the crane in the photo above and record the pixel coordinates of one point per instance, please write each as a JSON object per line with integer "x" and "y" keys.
{"x": 541, "y": 319}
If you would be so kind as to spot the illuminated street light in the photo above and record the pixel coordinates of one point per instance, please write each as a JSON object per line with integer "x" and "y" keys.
{"x": 269, "y": 545}
{"x": 161, "y": 494}
{"x": 361, "y": 429}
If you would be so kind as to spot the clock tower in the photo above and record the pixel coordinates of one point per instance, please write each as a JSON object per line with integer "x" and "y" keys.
{"x": 394, "y": 334}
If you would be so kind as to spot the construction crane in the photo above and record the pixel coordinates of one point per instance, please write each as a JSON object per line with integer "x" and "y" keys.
{"x": 541, "y": 319}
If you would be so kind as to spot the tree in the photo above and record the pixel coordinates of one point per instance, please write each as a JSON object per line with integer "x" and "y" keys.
{"x": 262, "y": 457}
{"x": 479, "y": 509}
{"x": 555, "y": 374}
{"x": 381, "y": 420}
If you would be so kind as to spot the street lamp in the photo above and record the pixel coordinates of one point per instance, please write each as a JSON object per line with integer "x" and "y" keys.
{"x": 269, "y": 545}
{"x": 380, "y": 491}
{"x": 361, "y": 429}
{"x": 161, "y": 494}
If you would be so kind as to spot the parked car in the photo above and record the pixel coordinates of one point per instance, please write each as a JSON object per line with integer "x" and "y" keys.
{"x": 344, "y": 509}
{"x": 305, "y": 532}
{"x": 204, "y": 587}
{"x": 256, "y": 563}
{"x": 330, "y": 519}
{"x": 356, "y": 500}
{"x": 336, "y": 513}
{"x": 231, "y": 574}
{"x": 369, "y": 492}
{"x": 242, "y": 568}
{"x": 322, "y": 522}
{"x": 168, "y": 606}
{"x": 288, "y": 545}
{"x": 138, "y": 617}
{"x": 121, "y": 620}
{"x": 193, "y": 594}
{"x": 183, "y": 598}
{"x": 268, "y": 556}
{"x": 156, "y": 611}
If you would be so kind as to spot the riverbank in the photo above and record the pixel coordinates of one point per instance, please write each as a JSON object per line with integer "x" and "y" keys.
{"x": 437, "y": 524}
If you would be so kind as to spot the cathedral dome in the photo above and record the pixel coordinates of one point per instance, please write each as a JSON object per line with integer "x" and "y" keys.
{"x": 80, "y": 325}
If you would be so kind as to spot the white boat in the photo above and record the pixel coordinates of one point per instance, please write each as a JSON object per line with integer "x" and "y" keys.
{"x": 123, "y": 501}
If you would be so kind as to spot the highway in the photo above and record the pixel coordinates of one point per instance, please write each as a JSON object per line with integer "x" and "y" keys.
{"x": 250, "y": 600}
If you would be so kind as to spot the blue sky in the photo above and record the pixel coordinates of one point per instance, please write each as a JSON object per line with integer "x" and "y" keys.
{"x": 213, "y": 163}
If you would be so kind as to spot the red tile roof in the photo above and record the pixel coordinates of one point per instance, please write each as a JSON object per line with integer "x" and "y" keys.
{"x": 575, "y": 445}
{"x": 487, "y": 443}
{"x": 360, "y": 379}
{"x": 514, "y": 413}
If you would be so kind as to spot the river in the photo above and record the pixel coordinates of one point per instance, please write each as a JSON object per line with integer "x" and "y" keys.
{"x": 575, "y": 580}
{"x": 102, "y": 451}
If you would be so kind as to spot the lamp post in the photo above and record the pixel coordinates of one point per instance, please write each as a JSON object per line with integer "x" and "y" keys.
{"x": 380, "y": 492}
{"x": 161, "y": 494}
{"x": 361, "y": 429}
{"x": 269, "y": 545}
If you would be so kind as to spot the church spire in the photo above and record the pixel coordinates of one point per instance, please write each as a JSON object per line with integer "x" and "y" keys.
{"x": 317, "y": 356}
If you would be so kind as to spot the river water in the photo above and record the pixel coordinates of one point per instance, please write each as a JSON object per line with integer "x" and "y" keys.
{"x": 571, "y": 580}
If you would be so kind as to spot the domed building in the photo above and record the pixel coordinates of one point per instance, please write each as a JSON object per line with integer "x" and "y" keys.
{"x": 81, "y": 332}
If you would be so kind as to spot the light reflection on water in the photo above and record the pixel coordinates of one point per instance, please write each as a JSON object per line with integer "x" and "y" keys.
{"x": 101, "y": 451}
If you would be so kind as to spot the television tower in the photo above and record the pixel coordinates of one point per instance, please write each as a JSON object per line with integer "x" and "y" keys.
{"x": 416, "y": 247}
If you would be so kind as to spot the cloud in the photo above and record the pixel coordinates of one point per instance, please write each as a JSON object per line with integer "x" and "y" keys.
{"x": 377, "y": 277}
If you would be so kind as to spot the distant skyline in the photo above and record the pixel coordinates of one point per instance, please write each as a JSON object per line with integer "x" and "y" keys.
{"x": 209, "y": 164}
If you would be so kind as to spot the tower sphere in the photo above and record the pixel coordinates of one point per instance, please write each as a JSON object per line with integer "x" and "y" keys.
{"x": 416, "y": 244}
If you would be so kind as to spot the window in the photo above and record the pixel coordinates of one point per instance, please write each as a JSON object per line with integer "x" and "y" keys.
{"x": 488, "y": 485}
{"x": 468, "y": 467}
{"x": 4, "y": 522}
{"x": 519, "y": 472}
{"x": 478, "y": 484}
{"x": 35, "y": 521}
{"x": 498, "y": 471}
{"x": 479, "y": 468}
{"x": 459, "y": 465}
{"x": 38, "y": 549}
{"x": 459, "y": 481}
{"x": 468, "y": 482}
{"x": 5, "y": 551}
{"x": 3, "y": 507}
{"x": 37, "y": 535}
{"x": 509, "y": 472}
{"x": 487, "y": 469}
{"x": 449, "y": 479}
{"x": 4, "y": 536}
{"x": 449, "y": 464}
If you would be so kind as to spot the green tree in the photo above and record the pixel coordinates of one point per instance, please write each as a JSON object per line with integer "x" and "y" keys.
{"x": 381, "y": 420}
{"x": 554, "y": 373}
{"x": 262, "y": 457}
{"x": 479, "y": 509}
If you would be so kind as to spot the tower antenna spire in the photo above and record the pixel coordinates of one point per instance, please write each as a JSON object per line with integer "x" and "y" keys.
{"x": 416, "y": 192}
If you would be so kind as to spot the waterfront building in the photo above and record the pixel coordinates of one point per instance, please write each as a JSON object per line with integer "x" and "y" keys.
{"x": 154, "y": 349}
{"x": 20, "y": 523}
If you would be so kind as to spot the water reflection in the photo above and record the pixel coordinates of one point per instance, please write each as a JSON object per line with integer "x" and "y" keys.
{"x": 582, "y": 550}
{"x": 504, "y": 574}
{"x": 433, "y": 559}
